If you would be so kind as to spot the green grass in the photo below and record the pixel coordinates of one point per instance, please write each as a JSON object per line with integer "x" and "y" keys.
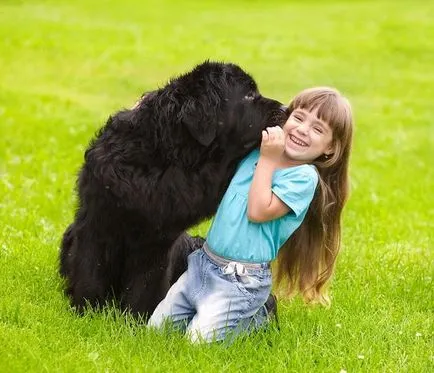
{"x": 65, "y": 66}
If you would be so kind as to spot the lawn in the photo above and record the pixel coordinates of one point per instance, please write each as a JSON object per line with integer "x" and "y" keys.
{"x": 66, "y": 65}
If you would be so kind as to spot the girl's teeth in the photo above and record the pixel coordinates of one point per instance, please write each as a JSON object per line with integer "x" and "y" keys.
{"x": 298, "y": 142}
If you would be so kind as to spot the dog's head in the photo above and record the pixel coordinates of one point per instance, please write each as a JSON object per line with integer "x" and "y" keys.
{"x": 219, "y": 103}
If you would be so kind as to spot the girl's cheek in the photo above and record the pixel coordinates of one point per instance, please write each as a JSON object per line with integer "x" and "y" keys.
{"x": 289, "y": 125}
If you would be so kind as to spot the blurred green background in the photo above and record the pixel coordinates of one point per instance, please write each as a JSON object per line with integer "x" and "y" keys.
{"x": 65, "y": 66}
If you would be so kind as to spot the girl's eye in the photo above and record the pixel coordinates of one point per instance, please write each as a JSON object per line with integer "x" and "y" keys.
{"x": 318, "y": 129}
{"x": 297, "y": 118}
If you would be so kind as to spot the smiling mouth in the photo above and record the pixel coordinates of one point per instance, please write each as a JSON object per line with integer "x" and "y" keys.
{"x": 297, "y": 141}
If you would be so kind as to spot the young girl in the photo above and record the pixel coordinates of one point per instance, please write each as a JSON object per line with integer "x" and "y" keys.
{"x": 284, "y": 201}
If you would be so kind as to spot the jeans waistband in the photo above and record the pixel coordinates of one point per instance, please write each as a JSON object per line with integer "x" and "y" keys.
{"x": 221, "y": 261}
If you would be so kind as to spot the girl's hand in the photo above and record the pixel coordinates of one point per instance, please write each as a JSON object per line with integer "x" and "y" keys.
{"x": 273, "y": 143}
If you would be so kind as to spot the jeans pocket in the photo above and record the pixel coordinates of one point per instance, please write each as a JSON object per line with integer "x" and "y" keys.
{"x": 236, "y": 280}
{"x": 251, "y": 284}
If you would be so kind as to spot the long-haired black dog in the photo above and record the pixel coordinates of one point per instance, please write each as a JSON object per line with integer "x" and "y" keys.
{"x": 152, "y": 172}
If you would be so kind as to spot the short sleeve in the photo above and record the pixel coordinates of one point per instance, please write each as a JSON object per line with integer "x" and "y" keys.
{"x": 295, "y": 186}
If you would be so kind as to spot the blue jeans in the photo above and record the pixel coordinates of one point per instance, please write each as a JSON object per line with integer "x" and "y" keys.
{"x": 216, "y": 297}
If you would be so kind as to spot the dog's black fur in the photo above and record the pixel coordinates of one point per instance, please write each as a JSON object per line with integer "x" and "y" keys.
{"x": 152, "y": 172}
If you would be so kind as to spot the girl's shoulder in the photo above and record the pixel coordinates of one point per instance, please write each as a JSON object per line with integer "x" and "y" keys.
{"x": 306, "y": 172}
{"x": 252, "y": 157}
{"x": 249, "y": 160}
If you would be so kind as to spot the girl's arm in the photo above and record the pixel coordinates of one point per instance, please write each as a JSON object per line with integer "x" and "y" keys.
{"x": 263, "y": 204}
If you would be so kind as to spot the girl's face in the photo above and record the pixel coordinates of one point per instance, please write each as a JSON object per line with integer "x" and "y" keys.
{"x": 306, "y": 136}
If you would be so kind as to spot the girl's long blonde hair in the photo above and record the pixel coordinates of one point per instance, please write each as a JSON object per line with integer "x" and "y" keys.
{"x": 307, "y": 259}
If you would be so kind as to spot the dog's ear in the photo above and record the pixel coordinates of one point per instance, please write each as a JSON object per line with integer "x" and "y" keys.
{"x": 199, "y": 121}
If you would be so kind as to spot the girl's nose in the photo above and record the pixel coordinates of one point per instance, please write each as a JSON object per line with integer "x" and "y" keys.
{"x": 302, "y": 128}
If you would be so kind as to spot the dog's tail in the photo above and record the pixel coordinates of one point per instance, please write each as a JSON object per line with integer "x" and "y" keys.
{"x": 177, "y": 256}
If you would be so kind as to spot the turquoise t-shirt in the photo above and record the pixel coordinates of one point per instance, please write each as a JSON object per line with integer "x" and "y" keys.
{"x": 233, "y": 236}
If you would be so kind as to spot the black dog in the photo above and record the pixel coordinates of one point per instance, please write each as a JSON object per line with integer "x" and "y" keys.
{"x": 152, "y": 172}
